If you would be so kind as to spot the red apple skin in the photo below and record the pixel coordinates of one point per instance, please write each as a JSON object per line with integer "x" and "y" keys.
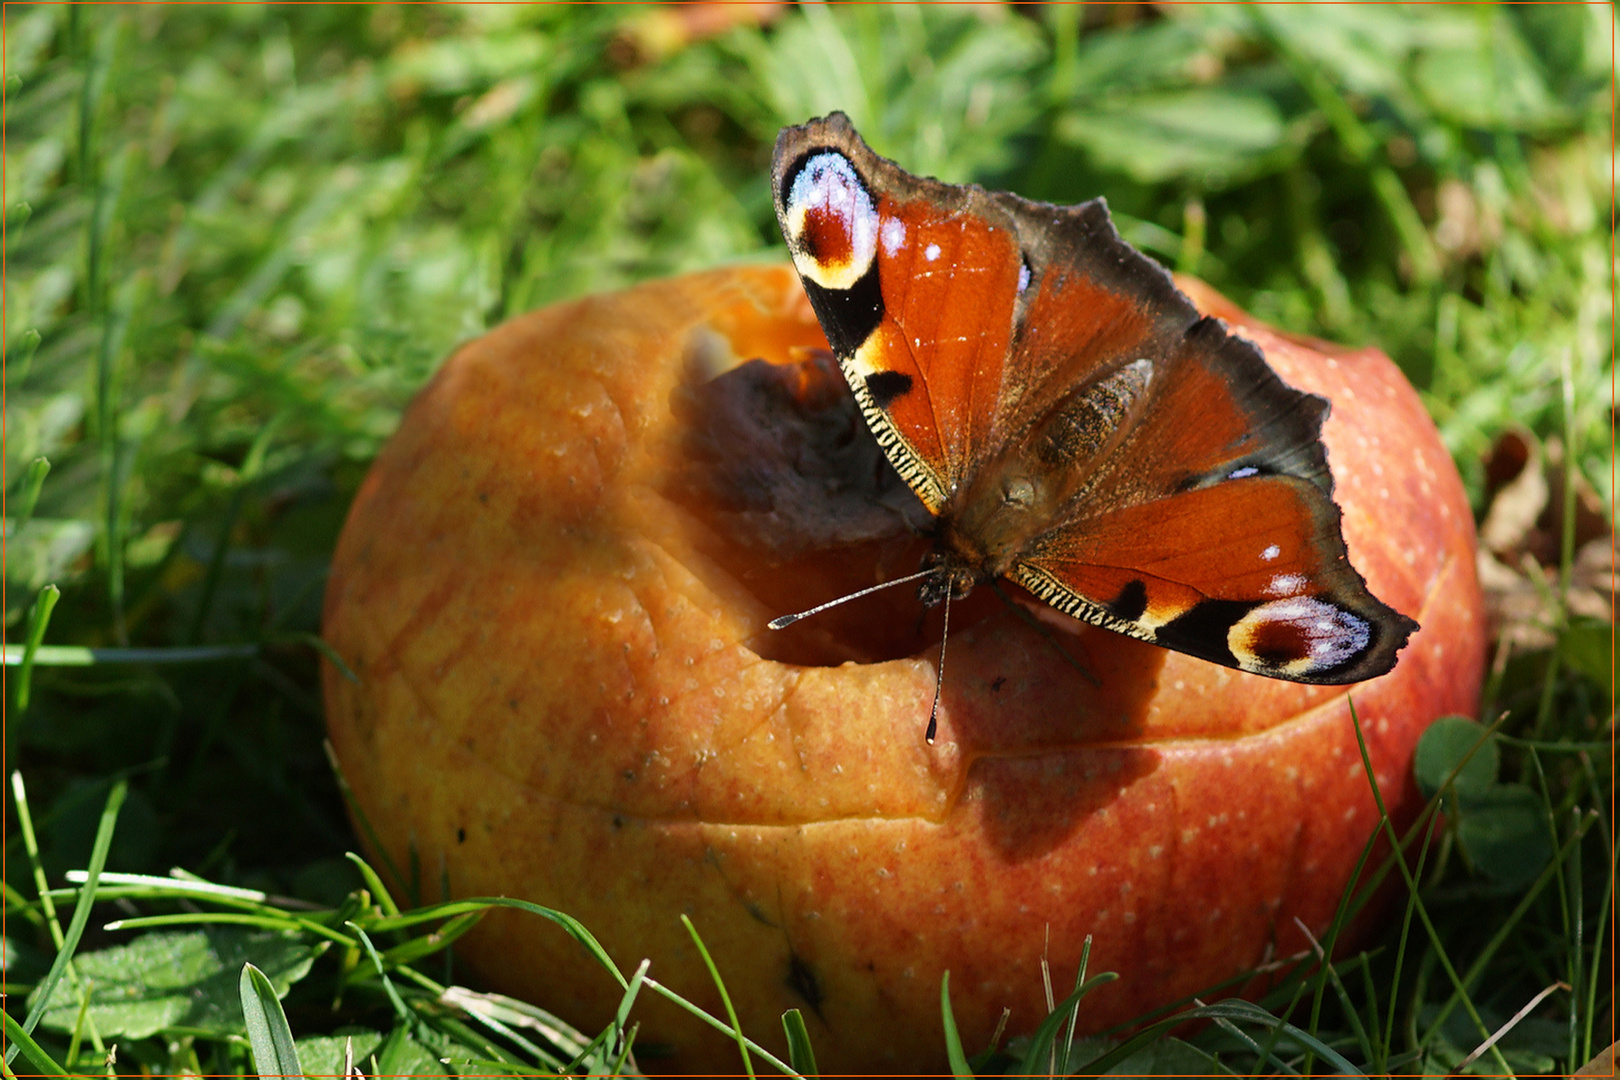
{"x": 561, "y": 697}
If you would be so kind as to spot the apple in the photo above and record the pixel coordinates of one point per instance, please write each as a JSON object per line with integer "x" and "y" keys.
{"x": 553, "y": 587}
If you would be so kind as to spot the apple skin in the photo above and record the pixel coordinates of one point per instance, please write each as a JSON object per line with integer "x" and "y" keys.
{"x": 565, "y": 694}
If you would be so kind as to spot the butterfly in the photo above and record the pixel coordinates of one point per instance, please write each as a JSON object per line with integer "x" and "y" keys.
{"x": 1072, "y": 423}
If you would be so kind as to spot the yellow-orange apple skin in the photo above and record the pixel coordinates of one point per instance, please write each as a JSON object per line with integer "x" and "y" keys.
{"x": 563, "y": 694}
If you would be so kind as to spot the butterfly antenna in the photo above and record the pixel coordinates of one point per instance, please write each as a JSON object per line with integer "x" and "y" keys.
{"x": 1045, "y": 632}
{"x": 788, "y": 620}
{"x": 939, "y": 678}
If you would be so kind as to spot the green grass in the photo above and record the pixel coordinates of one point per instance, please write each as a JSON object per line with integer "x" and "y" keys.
{"x": 239, "y": 237}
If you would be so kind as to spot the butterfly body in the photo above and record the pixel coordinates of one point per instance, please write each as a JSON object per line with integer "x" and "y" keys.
{"x": 1072, "y": 423}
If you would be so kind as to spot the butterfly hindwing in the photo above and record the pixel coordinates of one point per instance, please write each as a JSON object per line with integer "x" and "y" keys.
{"x": 1266, "y": 587}
{"x": 1210, "y": 529}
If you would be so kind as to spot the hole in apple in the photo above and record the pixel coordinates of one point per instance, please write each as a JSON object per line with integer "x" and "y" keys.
{"x": 791, "y": 497}
{"x": 797, "y": 503}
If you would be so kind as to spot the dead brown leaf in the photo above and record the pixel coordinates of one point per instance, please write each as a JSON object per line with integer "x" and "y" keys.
{"x": 1521, "y": 542}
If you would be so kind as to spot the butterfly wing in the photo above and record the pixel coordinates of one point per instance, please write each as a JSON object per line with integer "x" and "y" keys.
{"x": 917, "y": 286}
{"x": 955, "y": 312}
{"x": 1210, "y": 528}
{"x": 1076, "y": 426}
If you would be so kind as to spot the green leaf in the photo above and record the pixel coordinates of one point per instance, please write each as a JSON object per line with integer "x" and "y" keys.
{"x": 800, "y": 1053}
{"x": 1504, "y": 833}
{"x": 1364, "y": 47}
{"x": 274, "y": 1053}
{"x": 1455, "y": 750}
{"x": 460, "y": 65}
{"x": 176, "y": 979}
{"x": 1570, "y": 43}
{"x": 1147, "y": 56}
{"x": 322, "y": 1055}
{"x": 1491, "y": 81}
{"x": 1170, "y": 1057}
{"x": 1210, "y": 136}
{"x": 401, "y": 1055}
{"x": 934, "y": 86}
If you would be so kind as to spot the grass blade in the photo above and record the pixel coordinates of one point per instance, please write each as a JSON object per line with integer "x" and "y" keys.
{"x": 21, "y": 361}
{"x": 25, "y": 827}
{"x": 402, "y": 1011}
{"x": 416, "y": 948}
{"x": 725, "y": 998}
{"x": 21, "y": 1040}
{"x": 575, "y": 928}
{"x": 1503, "y": 933}
{"x": 268, "y": 1034}
{"x": 369, "y": 833}
{"x": 316, "y": 642}
{"x": 79, "y": 656}
{"x": 506, "y": 1016}
{"x": 28, "y": 492}
{"x": 1330, "y": 973}
{"x": 1525, "y": 1011}
{"x": 1074, "y": 1014}
{"x": 47, "y": 906}
{"x": 1038, "y": 1056}
{"x": 953, "y": 1038}
{"x": 174, "y": 886}
{"x": 621, "y": 1018}
{"x": 719, "y": 1025}
{"x": 38, "y": 618}
{"x": 81, "y": 910}
{"x": 1435, "y": 939}
{"x": 800, "y": 1054}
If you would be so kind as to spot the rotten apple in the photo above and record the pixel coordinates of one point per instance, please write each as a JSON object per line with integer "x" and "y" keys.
{"x": 553, "y": 589}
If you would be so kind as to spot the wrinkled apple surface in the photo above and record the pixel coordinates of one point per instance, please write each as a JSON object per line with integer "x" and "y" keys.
{"x": 553, "y": 588}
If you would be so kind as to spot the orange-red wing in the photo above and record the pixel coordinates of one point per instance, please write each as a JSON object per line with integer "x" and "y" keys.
{"x": 949, "y": 284}
{"x": 917, "y": 286}
{"x": 1250, "y": 573}
{"x": 1209, "y": 528}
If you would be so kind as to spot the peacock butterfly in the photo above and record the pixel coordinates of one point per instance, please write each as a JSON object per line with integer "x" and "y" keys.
{"x": 1072, "y": 423}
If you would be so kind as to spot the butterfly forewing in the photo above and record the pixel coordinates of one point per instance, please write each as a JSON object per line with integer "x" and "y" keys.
{"x": 1073, "y": 423}
{"x": 916, "y": 289}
